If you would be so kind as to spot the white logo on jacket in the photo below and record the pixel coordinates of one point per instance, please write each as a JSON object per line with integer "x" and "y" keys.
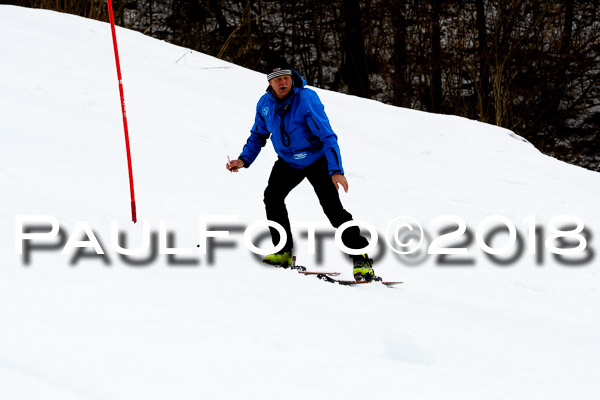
{"x": 300, "y": 156}
{"x": 265, "y": 111}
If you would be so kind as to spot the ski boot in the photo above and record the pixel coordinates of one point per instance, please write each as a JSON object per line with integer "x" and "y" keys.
{"x": 363, "y": 268}
{"x": 284, "y": 260}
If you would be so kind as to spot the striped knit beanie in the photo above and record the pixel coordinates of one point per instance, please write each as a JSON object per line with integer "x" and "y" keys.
{"x": 278, "y": 72}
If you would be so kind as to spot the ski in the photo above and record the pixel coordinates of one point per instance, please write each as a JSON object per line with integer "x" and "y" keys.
{"x": 376, "y": 280}
{"x": 327, "y": 276}
{"x": 319, "y": 273}
{"x": 302, "y": 270}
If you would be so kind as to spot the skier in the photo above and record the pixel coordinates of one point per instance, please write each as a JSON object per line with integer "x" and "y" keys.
{"x": 295, "y": 118}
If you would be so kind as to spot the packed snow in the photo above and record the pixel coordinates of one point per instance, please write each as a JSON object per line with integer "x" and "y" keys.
{"x": 78, "y": 325}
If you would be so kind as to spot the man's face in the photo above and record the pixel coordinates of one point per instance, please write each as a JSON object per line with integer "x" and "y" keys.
{"x": 281, "y": 85}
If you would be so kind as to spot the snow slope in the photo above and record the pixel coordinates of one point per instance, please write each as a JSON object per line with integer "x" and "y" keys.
{"x": 87, "y": 327}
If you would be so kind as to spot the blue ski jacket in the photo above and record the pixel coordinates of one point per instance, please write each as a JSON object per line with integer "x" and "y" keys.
{"x": 298, "y": 126}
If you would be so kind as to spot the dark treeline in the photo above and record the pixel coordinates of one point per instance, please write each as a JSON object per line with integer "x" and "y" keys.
{"x": 530, "y": 66}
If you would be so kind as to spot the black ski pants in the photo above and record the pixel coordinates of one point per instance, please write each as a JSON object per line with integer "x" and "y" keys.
{"x": 284, "y": 178}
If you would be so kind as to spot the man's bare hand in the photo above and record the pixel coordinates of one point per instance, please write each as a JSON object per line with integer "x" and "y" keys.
{"x": 234, "y": 165}
{"x": 339, "y": 179}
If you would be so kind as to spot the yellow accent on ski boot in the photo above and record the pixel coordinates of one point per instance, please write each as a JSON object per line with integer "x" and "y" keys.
{"x": 363, "y": 268}
{"x": 284, "y": 260}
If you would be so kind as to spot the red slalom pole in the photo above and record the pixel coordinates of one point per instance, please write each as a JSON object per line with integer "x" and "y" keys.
{"x": 114, "y": 37}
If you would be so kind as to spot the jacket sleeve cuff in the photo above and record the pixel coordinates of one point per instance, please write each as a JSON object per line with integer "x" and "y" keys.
{"x": 246, "y": 163}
